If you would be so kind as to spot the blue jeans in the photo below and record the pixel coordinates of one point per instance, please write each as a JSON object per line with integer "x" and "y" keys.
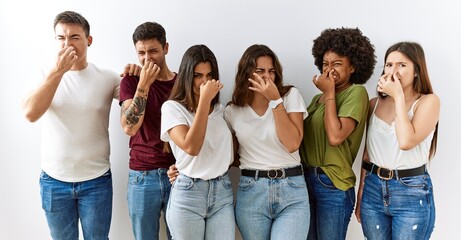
{"x": 147, "y": 195}
{"x": 201, "y": 209}
{"x": 67, "y": 202}
{"x": 331, "y": 208}
{"x": 397, "y": 209}
{"x": 272, "y": 208}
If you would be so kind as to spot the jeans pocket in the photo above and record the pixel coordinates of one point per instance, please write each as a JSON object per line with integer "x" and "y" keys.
{"x": 226, "y": 182}
{"x": 246, "y": 183}
{"x": 414, "y": 182}
{"x": 325, "y": 181}
{"x": 183, "y": 183}
{"x": 296, "y": 182}
{"x": 135, "y": 177}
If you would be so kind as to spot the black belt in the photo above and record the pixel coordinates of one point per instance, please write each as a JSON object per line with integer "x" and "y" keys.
{"x": 388, "y": 174}
{"x": 313, "y": 170}
{"x": 274, "y": 173}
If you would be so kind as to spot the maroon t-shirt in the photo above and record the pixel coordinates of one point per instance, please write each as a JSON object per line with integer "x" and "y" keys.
{"x": 146, "y": 147}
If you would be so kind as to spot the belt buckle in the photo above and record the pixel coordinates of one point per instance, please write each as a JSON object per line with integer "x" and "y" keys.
{"x": 276, "y": 173}
{"x": 389, "y": 176}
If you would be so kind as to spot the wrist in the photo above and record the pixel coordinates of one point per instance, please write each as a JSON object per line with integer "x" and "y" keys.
{"x": 274, "y": 103}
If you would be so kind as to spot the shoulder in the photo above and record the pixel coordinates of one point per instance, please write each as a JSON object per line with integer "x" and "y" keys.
{"x": 104, "y": 71}
{"x": 293, "y": 93}
{"x": 358, "y": 89}
{"x": 428, "y": 100}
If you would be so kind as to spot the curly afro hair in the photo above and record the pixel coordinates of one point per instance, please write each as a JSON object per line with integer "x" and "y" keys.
{"x": 347, "y": 42}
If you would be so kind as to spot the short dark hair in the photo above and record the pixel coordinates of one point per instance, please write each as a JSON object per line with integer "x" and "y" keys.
{"x": 350, "y": 43}
{"x": 150, "y": 30}
{"x": 70, "y": 17}
{"x": 183, "y": 89}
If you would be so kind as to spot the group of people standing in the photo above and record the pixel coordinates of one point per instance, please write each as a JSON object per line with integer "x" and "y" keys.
{"x": 296, "y": 163}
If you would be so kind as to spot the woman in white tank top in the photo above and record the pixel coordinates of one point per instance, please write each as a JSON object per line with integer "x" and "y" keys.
{"x": 395, "y": 197}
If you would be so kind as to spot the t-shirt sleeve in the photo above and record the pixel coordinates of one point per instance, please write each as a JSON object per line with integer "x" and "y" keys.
{"x": 172, "y": 116}
{"x": 128, "y": 87}
{"x": 228, "y": 117}
{"x": 294, "y": 102}
{"x": 116, "y": 79}
{"x": 355, "y": 104}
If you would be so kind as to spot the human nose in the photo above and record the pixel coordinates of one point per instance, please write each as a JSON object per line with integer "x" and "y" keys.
{"x": 205, "y": 79}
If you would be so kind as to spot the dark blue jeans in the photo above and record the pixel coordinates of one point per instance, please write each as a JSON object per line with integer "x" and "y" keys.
{"x": 397, "y": 209}
{"x": 65, "y": 203}
{"x": 331, "y": 208}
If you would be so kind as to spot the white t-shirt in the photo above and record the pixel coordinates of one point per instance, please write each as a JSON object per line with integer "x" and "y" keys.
{"x": 383, "y": 147}
{"x": 216, "y": 154}
{"x": 259, "y": 145}
{"x": 75, "y": 136}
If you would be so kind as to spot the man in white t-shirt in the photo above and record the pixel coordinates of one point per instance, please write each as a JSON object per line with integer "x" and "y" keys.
{"x": 74, "y": 101}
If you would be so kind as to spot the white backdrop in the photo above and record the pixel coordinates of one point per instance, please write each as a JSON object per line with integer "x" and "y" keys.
{"x": 228, "y": 28}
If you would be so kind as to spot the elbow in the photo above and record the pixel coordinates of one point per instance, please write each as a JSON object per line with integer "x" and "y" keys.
{"x": 30, "y": 116}
{"x": 192, "y": 151}
{"x": 293, "y": 146}
{"x": 129, "y": 131}
{"x": 335, "y": 141}
{"x": 405, "y": 146}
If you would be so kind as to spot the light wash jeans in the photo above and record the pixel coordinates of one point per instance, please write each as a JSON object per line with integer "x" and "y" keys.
{"x": 272, "y": 208}
{"x": 148, "y": 193}
{"x": 331, "y": 208}
{"x": 67, "y": 202}
{"x": 398, "y": 209}
{"x": 201, "y": 209}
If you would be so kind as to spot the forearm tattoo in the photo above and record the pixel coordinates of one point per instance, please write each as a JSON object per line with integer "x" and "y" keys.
{"x": 135, "y": 110}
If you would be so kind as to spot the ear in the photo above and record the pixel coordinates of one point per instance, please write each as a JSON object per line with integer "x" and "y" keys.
{"x": 165, "y": 49}
{"x": 352, "y": 69}
{"x": 90, "y": 40}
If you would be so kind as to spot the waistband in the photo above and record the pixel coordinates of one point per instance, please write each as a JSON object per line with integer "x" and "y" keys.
{"x": 218, "y": 178}
{"x": 388, "y": 174}
{"x": 274, "y": 173}
{"x": 313, "y": 170}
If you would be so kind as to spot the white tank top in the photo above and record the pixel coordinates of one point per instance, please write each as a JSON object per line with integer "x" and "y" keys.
{"x": 383, "y": 147}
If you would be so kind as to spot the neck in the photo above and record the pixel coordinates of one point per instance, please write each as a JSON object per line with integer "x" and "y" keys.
{"x": 342, "y": 87}
{"x": 165, "y": 74}
{"x": 259, "y": 100}
{"x": 79, "y": 66}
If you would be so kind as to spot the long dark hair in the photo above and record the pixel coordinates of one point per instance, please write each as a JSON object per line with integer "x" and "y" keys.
{"x": 183, "y": 89}
{"x": 247, "y": 66}
{"x": 421, "y": 83}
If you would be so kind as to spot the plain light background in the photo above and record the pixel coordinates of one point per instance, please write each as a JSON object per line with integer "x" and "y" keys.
{"x": 228, "y": 28}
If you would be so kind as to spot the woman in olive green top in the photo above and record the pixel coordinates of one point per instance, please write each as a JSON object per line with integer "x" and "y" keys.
{"x": 334, "y": 128}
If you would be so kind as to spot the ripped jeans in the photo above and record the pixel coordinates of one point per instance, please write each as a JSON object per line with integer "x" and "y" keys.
{"x": 398, "y": 208}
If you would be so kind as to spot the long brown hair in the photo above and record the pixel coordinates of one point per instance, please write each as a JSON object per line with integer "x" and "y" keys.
{"x": 247, "y": 66}
{"x": 421, "y": 82}
{"x": 183, "y": 89}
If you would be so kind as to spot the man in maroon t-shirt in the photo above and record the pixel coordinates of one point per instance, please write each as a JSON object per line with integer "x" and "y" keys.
{"x": 141, "y": 99}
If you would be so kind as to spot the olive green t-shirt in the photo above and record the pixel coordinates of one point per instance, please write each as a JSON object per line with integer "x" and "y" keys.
{"x": 335, "y": 161}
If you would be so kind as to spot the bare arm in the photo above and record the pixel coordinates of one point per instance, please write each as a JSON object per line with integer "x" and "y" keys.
{"x": 411, "y": 132}
{"x": 36, "y": 103}
{"x": 132, "y": 115}
{"x": 365, "y": 158}
{"x": 289, "y": 126}
{"x": 190, "y": 139}
{"x": 337, "y": 129}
